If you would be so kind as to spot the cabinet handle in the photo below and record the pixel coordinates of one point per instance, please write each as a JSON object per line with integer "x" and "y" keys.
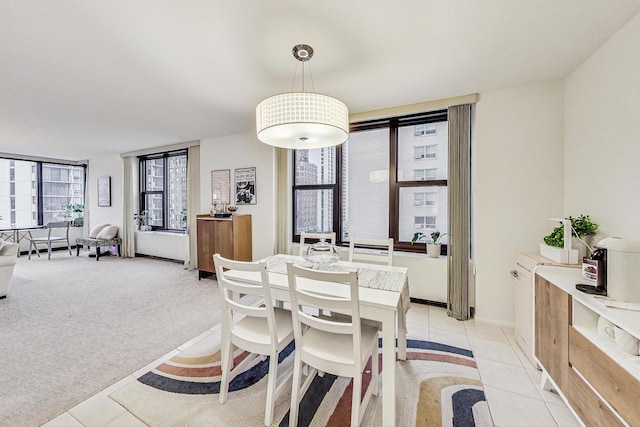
{"x": 514, "y": 273}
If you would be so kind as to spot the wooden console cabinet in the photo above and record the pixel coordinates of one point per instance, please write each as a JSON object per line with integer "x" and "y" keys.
{"x": 599, "y": 381}
{"x": 230, "y": 237}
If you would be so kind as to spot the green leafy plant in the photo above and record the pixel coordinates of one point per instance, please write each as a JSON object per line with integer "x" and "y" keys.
{"x": 142, "y": 218}
{"x": 582, "y": 226}
{"x": 75, "y": 207}
{"x": 435, "y": 237}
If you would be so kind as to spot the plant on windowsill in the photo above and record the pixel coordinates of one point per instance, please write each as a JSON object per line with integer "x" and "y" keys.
{"x": 433, "y": 247}
{"x": 75, "y": 211}
{"x": 142, "y": 221}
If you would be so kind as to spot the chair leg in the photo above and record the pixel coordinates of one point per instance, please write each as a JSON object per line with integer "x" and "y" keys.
{"x": 375, "y": 367}
{"x": 227, "y": 358}
{"x": 295, "y": 390}
{"x": 69, "y": 246}
{"x": 30, "y": 244}
{"x": 271, "y": 388}
{"x": 49, "y": 250}
{"x": 355, "y": 399}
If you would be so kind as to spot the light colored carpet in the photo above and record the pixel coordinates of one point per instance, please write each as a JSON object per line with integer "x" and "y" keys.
{"x": 72, "y": 326}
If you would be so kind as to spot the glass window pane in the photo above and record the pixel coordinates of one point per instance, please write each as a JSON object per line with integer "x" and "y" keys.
{"x": 316, "y": 166}
{"x": 154, "y": 209}
{"x": 365, "y": 191}
{"x": 422, "y": 209}
{"x": 177, "y": 192}
{"x": 154, "y": 174}
{"x": 314, "y": 210}
{"x": 62, "y": 185}
{"x": 423, "y": 152}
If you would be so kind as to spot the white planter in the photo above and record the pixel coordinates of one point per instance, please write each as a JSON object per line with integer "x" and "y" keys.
{"x": 433, "y": 250}
{"x": 559, "y": 255}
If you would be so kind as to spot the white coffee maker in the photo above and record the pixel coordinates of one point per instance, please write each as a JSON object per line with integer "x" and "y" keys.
{"x": 623, "y": 268}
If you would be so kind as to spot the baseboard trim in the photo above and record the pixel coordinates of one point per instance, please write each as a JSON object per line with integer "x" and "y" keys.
{"x": 429, "y": 302}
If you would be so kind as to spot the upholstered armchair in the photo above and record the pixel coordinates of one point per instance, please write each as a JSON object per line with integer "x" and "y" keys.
{"x": 8, "y": 258}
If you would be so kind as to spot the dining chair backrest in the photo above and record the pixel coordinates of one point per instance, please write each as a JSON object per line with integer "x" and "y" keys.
{"x": 52, "y": 226}
{"x": 305, "y": 237}
{"x": 305, "y": 301}
{"x": 232, "y": 290}
{"x": 377, "y": 251}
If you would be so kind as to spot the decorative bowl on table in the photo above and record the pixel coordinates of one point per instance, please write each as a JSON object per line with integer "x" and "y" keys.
{"x": 322, "y": 253}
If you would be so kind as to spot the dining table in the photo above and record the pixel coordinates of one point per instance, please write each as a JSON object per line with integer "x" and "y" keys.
{"x": 384, "y": 298}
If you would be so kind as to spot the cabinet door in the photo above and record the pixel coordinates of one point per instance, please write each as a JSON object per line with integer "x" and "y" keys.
{"x": 553, "y": 316}
{"x": 205, "y": 245}
{"x": 223, "y": 238}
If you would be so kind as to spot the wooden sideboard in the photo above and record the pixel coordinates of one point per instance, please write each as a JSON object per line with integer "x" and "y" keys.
{"x": 230, "y": 237}
{"x": 599, "y": 381}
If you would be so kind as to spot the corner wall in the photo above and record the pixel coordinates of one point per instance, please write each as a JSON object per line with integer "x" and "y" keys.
{"x": 602, "y": 126}
{"x": 518, "y": 160}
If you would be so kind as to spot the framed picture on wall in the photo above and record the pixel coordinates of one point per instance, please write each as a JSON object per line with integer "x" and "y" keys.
{"x": 245, "y": 188}
{"x": 220, "y": 186}
{"x": 104, "y": 191}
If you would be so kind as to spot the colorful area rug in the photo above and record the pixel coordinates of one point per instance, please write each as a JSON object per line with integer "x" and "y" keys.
{"x": 438, "y": 385}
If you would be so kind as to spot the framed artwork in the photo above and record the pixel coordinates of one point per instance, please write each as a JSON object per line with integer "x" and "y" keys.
{"x": 245, "y": 188}
{"x": 220, "y": 186}
{"x": 104, "y": 191}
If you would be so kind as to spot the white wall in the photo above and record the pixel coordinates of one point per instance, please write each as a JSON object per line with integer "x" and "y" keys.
{"x": 602, "y": 125}
{"x": 105, "y": 166}
{"x": 241, "y": 151}
{"x": 518, "y": 159}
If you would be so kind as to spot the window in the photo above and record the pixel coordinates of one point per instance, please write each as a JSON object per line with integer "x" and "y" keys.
{"x": 423, "y": 174}
{"x": 376, "y": 185}
{"x": 424, "y": 198}
{"x": 424, "y": 222}
{"x": 36, "y": 199}
{"x": 163, "y": 189}
{"x": 424, "y": 129}
{"x": 425, "y": 152}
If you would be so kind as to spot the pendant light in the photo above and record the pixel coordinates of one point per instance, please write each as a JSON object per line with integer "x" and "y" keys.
{"x": 298, "y": 120}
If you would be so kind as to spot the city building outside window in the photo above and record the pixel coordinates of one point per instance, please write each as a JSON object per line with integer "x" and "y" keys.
{"x": 163, "y": 189}
{"x": 378, "y": 184}
{"x": 40, "y": 192}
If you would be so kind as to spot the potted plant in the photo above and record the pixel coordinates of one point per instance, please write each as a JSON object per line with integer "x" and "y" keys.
{"x": 433, "y": 248}
{"x": 553, "y": 246}
{"x": 142, "y": 219}
{"x": 75, "y": 211}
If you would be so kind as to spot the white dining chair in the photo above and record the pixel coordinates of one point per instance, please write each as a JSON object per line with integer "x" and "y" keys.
{"x": 324, "y": 344}
{"x": 381, "y": 250}
{"x": 262, "y": 330}
{"x": 304, "y": 237}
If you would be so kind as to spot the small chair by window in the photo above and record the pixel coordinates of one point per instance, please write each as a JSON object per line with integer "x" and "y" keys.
{"x": 54, "y": 234}
{"x": 337, "y": 346}
{"x": 382, "y": 250}
{"x": 261, "y": 330}
{"x": 304, "y": 236}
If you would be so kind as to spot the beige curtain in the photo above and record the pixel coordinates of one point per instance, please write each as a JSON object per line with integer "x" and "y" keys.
{"x": 193, "y": 203}
{"x": 128, "y": 207}
{"x": 459, "y": 211}
{"x": 282, "y": 241}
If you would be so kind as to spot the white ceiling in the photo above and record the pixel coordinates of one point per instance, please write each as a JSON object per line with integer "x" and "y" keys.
{"x": 82, "y": 78}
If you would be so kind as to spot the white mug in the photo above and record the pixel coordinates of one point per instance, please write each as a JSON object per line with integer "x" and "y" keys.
{"x": 626, "y": 342}
{"x": 605, "y": 328}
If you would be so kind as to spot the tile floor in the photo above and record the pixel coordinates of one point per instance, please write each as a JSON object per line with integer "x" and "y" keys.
{"x": 511, "y": 383}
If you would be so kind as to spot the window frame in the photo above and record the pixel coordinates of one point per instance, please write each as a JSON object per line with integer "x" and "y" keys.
{"x": 166, "y": 187}
{"x": 393, "y": 124}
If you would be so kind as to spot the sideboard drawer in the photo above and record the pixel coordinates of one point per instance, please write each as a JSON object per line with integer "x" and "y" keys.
{"x": 587, "y": 404}
{"x": 616, "y": 385}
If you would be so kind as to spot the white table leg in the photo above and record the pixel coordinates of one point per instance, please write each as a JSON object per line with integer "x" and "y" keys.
{"x": 389, "y": 369}
{"x": 402, "y": 336}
